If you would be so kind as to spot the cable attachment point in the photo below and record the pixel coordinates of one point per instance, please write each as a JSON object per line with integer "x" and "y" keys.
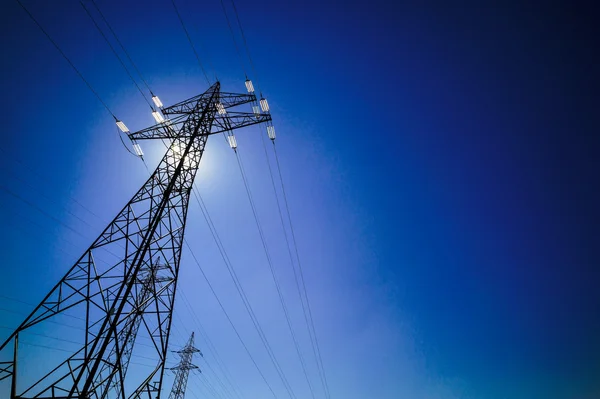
{"x": 249, "y": 85}
{"x": 232, "y": 141}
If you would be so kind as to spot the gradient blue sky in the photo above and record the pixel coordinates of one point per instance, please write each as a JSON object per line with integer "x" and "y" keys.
{"x": 442, "y": 167}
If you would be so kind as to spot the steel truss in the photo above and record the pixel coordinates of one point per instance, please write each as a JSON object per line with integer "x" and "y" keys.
{"x": 115, "y": 302}
{"x": 182, "y": 370}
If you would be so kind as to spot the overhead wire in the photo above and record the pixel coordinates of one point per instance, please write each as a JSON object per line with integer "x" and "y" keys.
{"x": 316, "y": 345}
{"x": 87, "y": 83}
{"x": 245, "y": 42}
{"x": 272, "y": 269}
{"x": 115, "y": 53}
{"x": 26, "y": 165}
{"x": 122, "y": 46}
{"x": 229, "y": 318}
{"x": 243, "y": 296}
{"x": 209, "y": 345}
{"x": 287, "y": 241}
{"x": 190, "y": 41}
{"x": 237, "y": 49}
{"x": 301, "y": 273}
{"x": 246, "y": 46}
{"x": 124, "y": 67}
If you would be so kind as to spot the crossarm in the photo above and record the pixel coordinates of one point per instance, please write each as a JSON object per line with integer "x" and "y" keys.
{"x": 236, "y": 120}
{"x": 228, "y": 100}
{"x": 165, "y": 130}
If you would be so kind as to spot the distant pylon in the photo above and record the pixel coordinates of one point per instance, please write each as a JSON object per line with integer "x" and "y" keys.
{"x": 183, "y": 369}
{"x": 123, "y": 287}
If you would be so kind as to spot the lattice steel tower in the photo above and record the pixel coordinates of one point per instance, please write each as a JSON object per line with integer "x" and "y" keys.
{"x": 111, "y": 304}
{"x": 183, "y": 369}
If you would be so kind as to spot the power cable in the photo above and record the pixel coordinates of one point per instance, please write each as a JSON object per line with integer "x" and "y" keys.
{"x": 209, "y": 345}
{"x": 67, "y": 59}
{"x": 272, "y": 269}
{"x": 287, "y": 207}
{"x": 229, "y": 318}
{"x": 237, "y": 49}
{"x": 190, "y": 40}
{"x": 115, "y": 53}
{"x": 27, "y": 166}
{"x": 246, "y": 46}
{"x": 243, "y": 296}
{"x": 34, "y": 206}
{"x": 287, "y": 241}
{"x": 122, "y": 46}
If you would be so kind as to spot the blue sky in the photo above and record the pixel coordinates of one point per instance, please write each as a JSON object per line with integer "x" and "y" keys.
{"x": 441, "y": 165}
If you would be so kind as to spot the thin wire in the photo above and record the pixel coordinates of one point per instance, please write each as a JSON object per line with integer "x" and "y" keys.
{"x": 17, "y": 196}
{"x": 304, "y": 311}
{"x": 115, "y": 53}
{"x": 26, "y": 165}
{"x": 269, "y": 261}
{"x": 243, "y": 296}
{"x": 229, "y": 318}
{"x": 190, "y": 40}
{"x": 211, "y": 347}
{"x": 121, "y": 45}
{"x": 287, "y": 207}
{"x": 246, "y": 46}
{"x": 237, "y": 49}
{"x": 67, "y": 59}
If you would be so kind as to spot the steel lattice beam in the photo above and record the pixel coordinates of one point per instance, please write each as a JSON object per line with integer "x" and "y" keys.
{"x": 134, "y": 293}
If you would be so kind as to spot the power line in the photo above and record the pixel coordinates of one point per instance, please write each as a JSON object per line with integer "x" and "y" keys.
{"x": 27, "y": 166}
{"x": 115, "y": 53}
{"x": 287, "y": 207}
{"x": 190, "y": 40}
{"x": 229, "y": 318}
{"x": 285, "y": 235}
{"x": 121, "y": 45}
{"x": 242, "y": 295}
{"x": 237, "y": 49}
{"x": 67, "y": 59}
{"x": 272, "y": 269}
{"x": 34, "y": 206}
{"x": 210, "y": 346}
{"x": 246, "y": 46}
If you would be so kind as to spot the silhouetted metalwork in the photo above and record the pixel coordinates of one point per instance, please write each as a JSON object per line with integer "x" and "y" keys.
{"x": 111, "y": 305}
{"x": 182, "y": 370}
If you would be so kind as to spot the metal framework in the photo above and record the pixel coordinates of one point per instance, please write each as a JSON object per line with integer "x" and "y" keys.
{"x": 182, "y": 370}
{"x": 115, "y": 302}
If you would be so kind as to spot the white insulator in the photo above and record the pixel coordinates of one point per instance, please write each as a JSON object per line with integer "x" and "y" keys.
{"x": 264, "y": 105}
{"x": 122, "y": 126}
{"x": 249, "y": 86}
{"x": 157, "y": 101}
{"x": 138, "y": 149}
{"x": 255, "y": 110}
{"x": 221, "y": 109}
{"x": 158, "y": 117}
{"x": 271, "y": 132}
{"x": 232, "y": 142}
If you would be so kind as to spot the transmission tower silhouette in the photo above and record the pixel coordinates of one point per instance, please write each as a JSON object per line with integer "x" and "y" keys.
{"x": 115, "y": 302}
{"x": 182, "y": 370}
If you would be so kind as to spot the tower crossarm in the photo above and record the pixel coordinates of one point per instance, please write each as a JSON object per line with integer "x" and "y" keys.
{"x": 227, "y": 121}
{"x": 228, "y": 100}
{"x": 236, "y": 120}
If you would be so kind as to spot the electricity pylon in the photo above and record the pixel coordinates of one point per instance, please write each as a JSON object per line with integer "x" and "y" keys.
{"x": 183, "y": 369}
{"x": 116, "y": 301}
